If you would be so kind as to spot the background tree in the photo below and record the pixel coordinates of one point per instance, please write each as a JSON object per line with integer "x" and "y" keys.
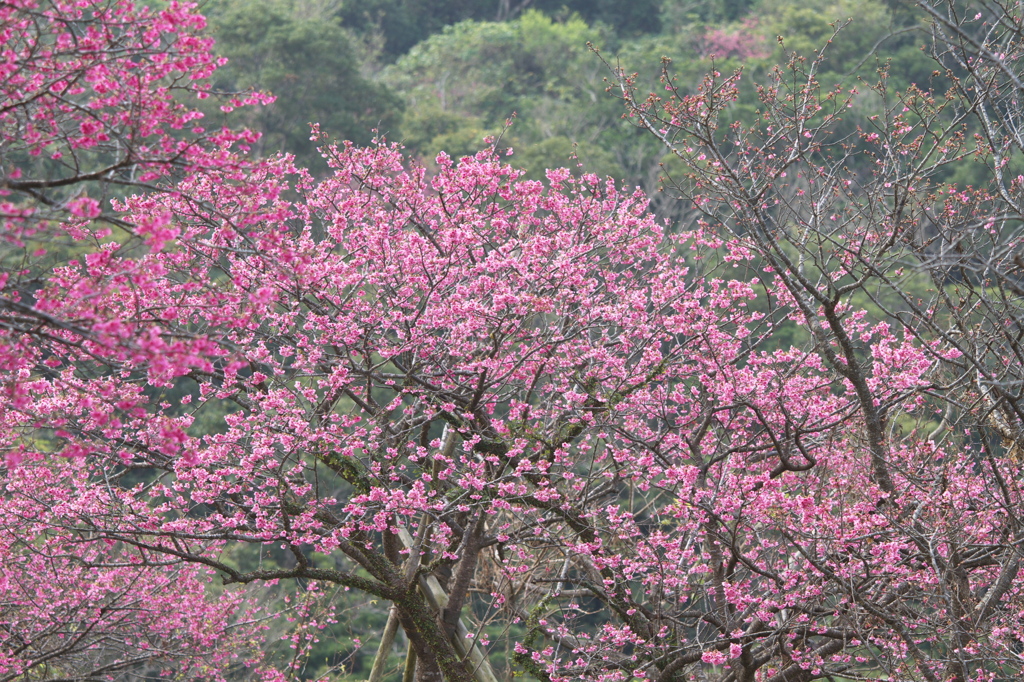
{"x": 302, "y": 55}
{"x": 466, "y": 81}
{"x": 931, "y": 258}
{"x": 90, "y": 111}
{"x": 404, "y": 23}
{"x": 73, "y": 606}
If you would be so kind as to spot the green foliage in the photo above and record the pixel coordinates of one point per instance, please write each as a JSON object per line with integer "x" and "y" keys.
{"x": 858, "y": 38}
{"x": 808, "y": 26}
{"x": 404, "y": 23}
{"x": 474, "y": 68}
{"x": 627, "y": 19}
{"x": 307, "y": 61}
{"x": 678, "y": 14}
{"x": 462, "y": 84}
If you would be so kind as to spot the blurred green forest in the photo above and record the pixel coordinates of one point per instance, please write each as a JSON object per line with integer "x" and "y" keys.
{"x": 441, "y": 75}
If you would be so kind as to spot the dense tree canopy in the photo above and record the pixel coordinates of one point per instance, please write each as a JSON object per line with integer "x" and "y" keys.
{"x": 470, "y": 78}
{"x": 404, "y": 23}
{"x": 305, "y": 58}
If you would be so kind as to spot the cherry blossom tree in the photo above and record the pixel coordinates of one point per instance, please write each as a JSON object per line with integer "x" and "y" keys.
{"x": 90, "y": 108}
{"x": 73, "y": 606}
{"x": 778, "y": 444}
{"x": 891, "y": 246}
{"x": 89, "y": 105}
{"x": 477, "y": 391}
